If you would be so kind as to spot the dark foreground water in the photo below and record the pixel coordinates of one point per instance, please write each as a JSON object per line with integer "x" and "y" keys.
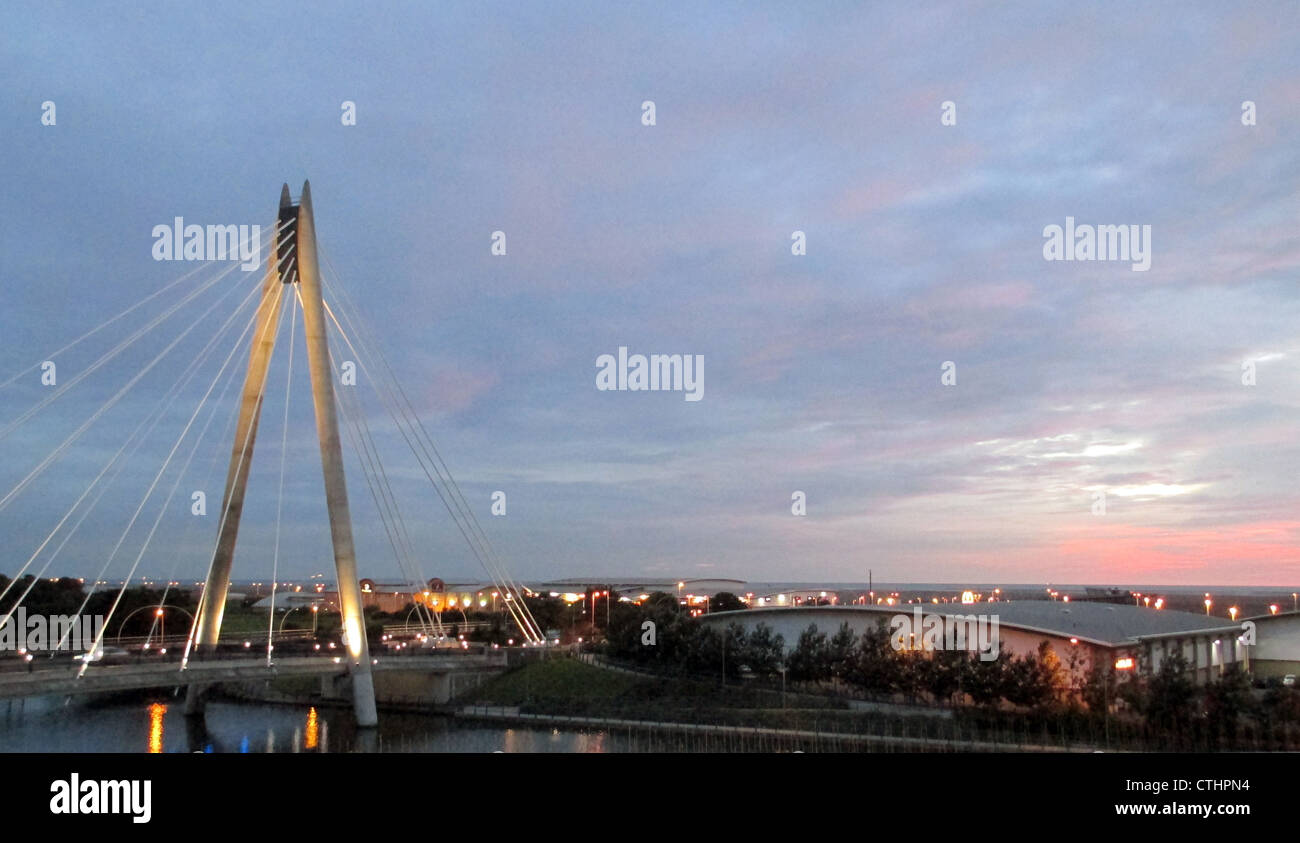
{"x": 158, "y": 724}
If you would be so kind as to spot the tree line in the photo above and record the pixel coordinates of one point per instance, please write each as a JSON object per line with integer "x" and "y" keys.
{"x": 1162, "y": 702}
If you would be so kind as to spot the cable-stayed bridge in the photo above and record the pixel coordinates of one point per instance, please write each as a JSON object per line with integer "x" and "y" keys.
{"x": 291, "y": 288}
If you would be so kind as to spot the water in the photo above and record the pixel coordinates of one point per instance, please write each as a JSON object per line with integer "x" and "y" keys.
{"x": 158, "y": 724}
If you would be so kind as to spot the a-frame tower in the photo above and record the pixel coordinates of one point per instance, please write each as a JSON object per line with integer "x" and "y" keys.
{"x": 293, "y": 262}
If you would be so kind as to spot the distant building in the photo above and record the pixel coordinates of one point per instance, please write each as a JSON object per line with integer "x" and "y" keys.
{"x": 1123, "y": 635}
{"x": 1104, "y": 595}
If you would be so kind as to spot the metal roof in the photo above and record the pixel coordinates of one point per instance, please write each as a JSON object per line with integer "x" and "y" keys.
{"x": 1102, "y": 623}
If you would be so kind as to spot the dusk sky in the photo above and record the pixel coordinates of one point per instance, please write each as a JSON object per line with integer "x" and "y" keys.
{"x": 822, "y": 372}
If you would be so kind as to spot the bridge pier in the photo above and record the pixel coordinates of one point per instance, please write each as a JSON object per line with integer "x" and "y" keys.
{"x": 195, "y": 700}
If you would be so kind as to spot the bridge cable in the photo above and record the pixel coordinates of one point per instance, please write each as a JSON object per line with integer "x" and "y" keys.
{"x": 62, "y": 448}
{"x": 251, "y": 321}
{"x": 477, "y": 540}
{"x": 207, "y": 482}
{"x": 279, "y": 501}
{"x": 225, "y": 508}
{"x": 456, "y": 516}
{"x": 112, "y": 401}
{"x": 380, "y": 489}
{"x": 162, "y": 510}
{"x": 120, "y": 459}
{"x": 106, "y": 323}
{"x": 450, "y": 481}
{"x": 385, "y": 498}
{"x": 225, "y": 434}
{"x": 114, "y": 352}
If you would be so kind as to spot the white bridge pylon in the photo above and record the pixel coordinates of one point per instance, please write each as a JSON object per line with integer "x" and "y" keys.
{"x": 293, "y": 262}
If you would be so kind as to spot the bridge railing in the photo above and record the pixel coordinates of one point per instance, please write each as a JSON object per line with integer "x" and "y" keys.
{"x": 130, "y": 641}
{"x": 422, "y": 629}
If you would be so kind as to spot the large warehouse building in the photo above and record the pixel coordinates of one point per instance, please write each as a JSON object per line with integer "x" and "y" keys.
{"x": 1130, "y": 637}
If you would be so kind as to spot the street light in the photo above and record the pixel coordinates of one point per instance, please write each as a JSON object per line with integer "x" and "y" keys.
{"x": 280, "y": 631}
{"x": 1208, "y": 604}
{"x": 1232, "y": 612}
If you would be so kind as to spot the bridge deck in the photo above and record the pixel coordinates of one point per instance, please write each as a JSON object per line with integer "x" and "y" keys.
{"x": 63, "y": 680}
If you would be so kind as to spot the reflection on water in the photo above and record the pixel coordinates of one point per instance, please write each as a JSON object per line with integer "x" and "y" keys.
{"x": 313, "y": 728}
{"x": 156, "y": 712}
{"x": 49, "y": 724}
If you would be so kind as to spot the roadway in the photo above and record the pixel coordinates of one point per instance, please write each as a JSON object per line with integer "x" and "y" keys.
{"x": 61, "y": 678}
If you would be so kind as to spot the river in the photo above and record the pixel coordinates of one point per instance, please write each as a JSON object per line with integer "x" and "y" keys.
{"x": 158, "y": 724}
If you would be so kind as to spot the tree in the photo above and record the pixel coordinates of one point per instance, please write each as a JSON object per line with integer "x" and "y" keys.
{"x": 987, "y": 681}
{"x": 876, "y": 666}
{"x": 943, "y": 673}
{"x": 735, "y": 647}
{"x": 810, "y": 660}
{"x": 764, "y": 651}
{"x": 1037, "y": 679}
{"x": 840, "y": 652}
{"x": 1226, "y": 700}
{"x": 1100, "y": 686}
{"x": 725, "y": 601}
{"x": 1167, "y": 702}
{"x": 703, "y": 653}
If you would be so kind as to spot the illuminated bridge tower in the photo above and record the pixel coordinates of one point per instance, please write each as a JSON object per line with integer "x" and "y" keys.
{"x": 294, "y": 262}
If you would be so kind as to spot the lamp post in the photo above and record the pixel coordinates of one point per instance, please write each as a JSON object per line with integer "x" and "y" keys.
{"x": 158, "y": 610}
{"x": 280, "y": 631}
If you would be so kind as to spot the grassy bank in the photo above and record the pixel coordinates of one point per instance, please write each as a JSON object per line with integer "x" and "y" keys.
{"x": 572, "y": 688}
